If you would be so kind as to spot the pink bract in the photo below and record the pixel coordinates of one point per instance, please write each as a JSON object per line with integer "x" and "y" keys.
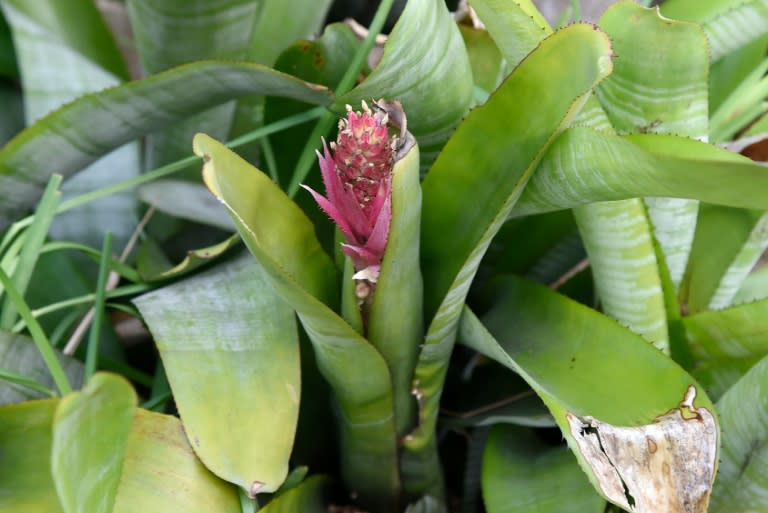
{"x": 357, "y": 174}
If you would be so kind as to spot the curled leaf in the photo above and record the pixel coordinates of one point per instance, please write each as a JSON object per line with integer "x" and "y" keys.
{"x": 664, "y": 467}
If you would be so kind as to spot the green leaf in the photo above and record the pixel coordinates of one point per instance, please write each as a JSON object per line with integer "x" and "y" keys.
{"x": 652, "y": 90}
{"x": 322, "y": 61}
{"x": 288, "y": 238}
{"x": 517, "y": 27}
{"x": 76, "y": 27}
{"x": 158, "y": 463}
{"x": 754, "y": 287}
{"x": 298, "y": 20}
{"x": 161, "y": 473}
{"x": 424, "y": 53}
{"x": 659, "y": 92}
{"x": 34, "y": 237}
{"x": 484, "y": 57}
{"x": 19, "y": 355}
{"x": 728, "y": 73}
{"x": 90, "y": 435}
{"x": 143, "y": 106}
{"x": 584, "y": 166}
{"x": 729, "y": 24}
{"x": 304, "y": 276}
{"x": 501, "y": 142}
{"x": 65, "y": 52}
{"x": 620, "y": 246}
{"x": 743, "y": 106}
{"x": 500, "y": 169}
{"x": 26, "y": 483}
{"x": 520, "y": 471}
{"x": 396, "y": 325}
{"x": 531, "y": 330}
{"x": 736, "y": 332}
{"x": 173, "y": 32}
{"x": 308, "y": 497}
{"x": 743, "y": 480}
{"x": 718, "y": 376}
{"x": 249, "y": 364}
{"x": 594, "y": 220}
{"x": 728, "y": 243}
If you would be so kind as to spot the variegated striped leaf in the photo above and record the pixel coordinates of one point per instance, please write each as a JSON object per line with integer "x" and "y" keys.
{"x": 729, "y": 24}
{"x": 501, "y": 143}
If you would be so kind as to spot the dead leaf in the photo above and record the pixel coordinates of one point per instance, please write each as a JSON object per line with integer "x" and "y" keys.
{"x": 664, "y": 467}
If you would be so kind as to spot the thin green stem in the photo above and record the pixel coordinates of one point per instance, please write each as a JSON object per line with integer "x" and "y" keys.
{"x": 92, "y": 355}
{"x": 358, "y": 60}
{"x": 38, "y": 336}
{"x": 307, "y": 157}
{"x": 125, "y": 271}
{"x": 154, "y": 402}
{"x": 30, "y": 252}
{"x": 177, "y": 166}
{"x": 247, "y": 505}
{"x": 62, "y": 328}
{"x": 270, "y": 161}
{"x": 324, "y": 124}
{"x": 24, "y": 381}
{"x": 11, "y": 235}
{"x": 127, "y": 290}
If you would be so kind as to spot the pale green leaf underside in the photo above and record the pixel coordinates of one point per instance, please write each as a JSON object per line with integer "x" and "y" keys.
{"x": 249, "y": 364}
{"x": 159, "y": 463}
{"x": 186, "y": 200}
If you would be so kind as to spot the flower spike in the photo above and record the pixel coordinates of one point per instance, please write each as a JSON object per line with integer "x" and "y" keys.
{"x": 357, "y": 175}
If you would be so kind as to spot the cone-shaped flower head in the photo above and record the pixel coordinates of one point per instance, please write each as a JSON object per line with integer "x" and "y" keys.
{"x": 357, "y": 174}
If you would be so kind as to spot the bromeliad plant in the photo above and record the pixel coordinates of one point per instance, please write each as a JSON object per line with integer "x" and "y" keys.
{"x": 520, "y": 229}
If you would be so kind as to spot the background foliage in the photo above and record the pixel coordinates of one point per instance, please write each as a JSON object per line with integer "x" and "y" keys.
{"x": 574, "y": 233}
